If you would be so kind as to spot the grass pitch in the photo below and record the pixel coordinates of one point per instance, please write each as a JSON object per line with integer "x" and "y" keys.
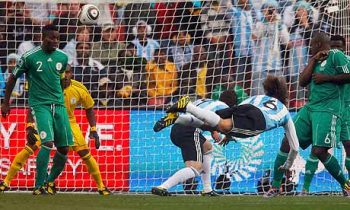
{"x": 24, "y": 201}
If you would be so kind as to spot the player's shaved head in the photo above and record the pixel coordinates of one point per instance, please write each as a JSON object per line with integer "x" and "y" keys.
{"x": 320, "y": 41}
{"x": 276, "y": 87}
{"x": 229, "y": 97}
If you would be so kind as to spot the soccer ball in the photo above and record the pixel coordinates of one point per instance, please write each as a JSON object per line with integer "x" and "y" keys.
{"x": 88, "y": 14}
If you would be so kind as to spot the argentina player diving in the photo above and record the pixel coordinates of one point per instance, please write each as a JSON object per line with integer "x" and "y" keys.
{"x": 252, "y": 117}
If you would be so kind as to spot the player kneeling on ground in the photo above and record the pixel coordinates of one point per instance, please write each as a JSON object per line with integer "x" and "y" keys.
{"x": 195, "y": 148}
{"x": 75, "y": 94}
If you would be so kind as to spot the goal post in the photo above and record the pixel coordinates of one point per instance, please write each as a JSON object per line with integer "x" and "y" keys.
{"x": 142, "y": 56}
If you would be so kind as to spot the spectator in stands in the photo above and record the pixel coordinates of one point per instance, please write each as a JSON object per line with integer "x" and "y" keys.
{"x": 215, "y": 20}
{"x": 180, "y": 50}
{"x": 3, "y": 43}
{"x": 300, "y": 36}
{"x": 40, "y": 12}
{"x": 269, "y": 34}
{"x": 83, "y": 35}
{"x": 244, "y": 16}
{"x": 165, "y": 16}
{"x": 107, "y": 95}
{"x": 193, "y": 77}
{"x": 2, "y": 84}
{"x": 19, "y": 25}
{"x": 30, "y": 44}
{"x": 67, "y": 21}
{"x": 145, "y": 46}
{"x": 131, "y": 78}
{"x": 106, "y": 51}
{"x": 88, "y": 71}
{"x": 162, "y": 79}
{"x": 18, "y": 90}
{"x": 289, "y": 13}
{"x": 136, "y": 12}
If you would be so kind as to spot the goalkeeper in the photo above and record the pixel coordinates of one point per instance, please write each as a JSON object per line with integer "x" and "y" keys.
{"x": 75, "y": 94}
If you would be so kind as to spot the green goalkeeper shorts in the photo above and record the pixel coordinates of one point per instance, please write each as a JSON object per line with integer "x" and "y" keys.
{"x": 320, "y": 129}
{"x": 53, "y": 124}
{"x": 345, "y": 125}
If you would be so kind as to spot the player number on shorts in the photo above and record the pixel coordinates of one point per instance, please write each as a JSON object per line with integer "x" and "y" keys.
{"x": 327, "y": 140}
{"x": 39, "y": 67}
{"x": 271, "y": 104}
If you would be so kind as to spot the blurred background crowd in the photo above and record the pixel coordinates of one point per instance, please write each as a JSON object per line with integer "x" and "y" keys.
{"x": 149, "y": 54}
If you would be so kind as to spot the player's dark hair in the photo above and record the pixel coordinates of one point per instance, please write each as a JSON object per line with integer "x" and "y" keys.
{"x": 338, "y": 38}
{"x": 46, "y": 30}
{"x": 229, "y": 97}
{"x": 321, "y": 37}
{"x": 276, "y": 87}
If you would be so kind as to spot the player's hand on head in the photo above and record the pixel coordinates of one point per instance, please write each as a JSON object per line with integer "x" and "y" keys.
{"x": 322, "y": 55}
{"x": 320, "y": 78}
{"x": 94, "y": 135}
{"x": 5, "y": 110}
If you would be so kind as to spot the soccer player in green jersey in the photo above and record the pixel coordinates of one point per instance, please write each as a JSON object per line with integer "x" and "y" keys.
{"x": 318, "y": 122}
{"x": 45, "y": 66}
{"x": 337, "y": 42}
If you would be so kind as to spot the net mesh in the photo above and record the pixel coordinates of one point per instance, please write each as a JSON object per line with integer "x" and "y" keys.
{"x": 144, "y": 55}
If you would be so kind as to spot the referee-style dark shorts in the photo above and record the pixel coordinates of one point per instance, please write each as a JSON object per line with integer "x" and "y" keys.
{"x": 248, "y": 120}
{"x": 189, "y": 140}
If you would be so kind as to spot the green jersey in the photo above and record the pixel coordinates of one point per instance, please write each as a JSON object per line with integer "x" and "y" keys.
{"x": 329, "y": 96}
{"x": 43, "y": 72}
{"x": 347, "y": 90}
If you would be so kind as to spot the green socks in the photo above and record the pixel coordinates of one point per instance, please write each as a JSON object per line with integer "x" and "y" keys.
{"x": 347, "y": 165}
{"x": 277, "y": 174}
{"x": 310, "y": 169}
{"x": 59, "y": 161}
{"x": 333, "y": 167}
{"x": 42, "y": 161}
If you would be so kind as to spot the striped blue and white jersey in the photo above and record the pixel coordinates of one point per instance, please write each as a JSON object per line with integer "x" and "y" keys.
{"x": 275, "y": 112}
{"x": 146, "y": 51}
{"x": 266, "y": 51}
{"x": 211, "y": 105}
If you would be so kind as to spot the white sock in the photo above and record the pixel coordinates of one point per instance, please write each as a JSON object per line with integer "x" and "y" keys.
{"x": 209, "y": 117}
{"x": 179, "y": 177}
{"x": 188, "y": 119}
{"x": 206, "y": 179}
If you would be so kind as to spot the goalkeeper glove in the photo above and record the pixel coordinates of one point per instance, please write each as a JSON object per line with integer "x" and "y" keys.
{"x": 94, "y": 135}
{"x": 32, "y": 134}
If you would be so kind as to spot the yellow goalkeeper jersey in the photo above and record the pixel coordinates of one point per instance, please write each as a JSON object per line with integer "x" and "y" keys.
{"x": 75, "y": 95}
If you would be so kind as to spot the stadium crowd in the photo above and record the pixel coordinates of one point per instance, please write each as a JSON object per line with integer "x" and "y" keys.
{"x": 151, "y": 53}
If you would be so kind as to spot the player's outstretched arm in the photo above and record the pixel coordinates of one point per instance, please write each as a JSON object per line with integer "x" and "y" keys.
{"x": 10, "y": 84}
{"x": 293, "y": 143}
{"x": 90, "y": 115}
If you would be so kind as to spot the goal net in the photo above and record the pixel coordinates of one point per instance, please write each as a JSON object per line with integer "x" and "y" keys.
{"x": 142, "y": 56}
